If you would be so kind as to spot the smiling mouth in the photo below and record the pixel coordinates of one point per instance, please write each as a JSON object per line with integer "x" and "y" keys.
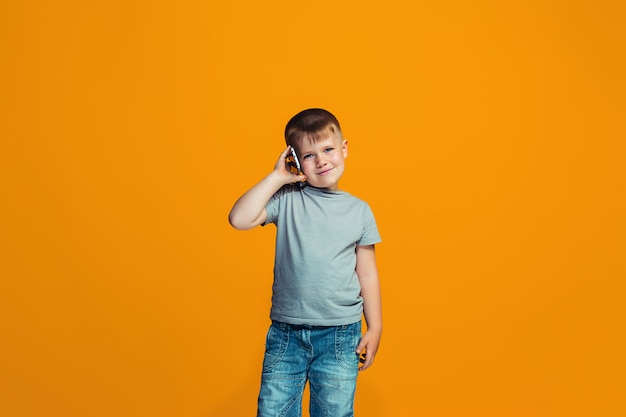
{"x": 325, "y": 172}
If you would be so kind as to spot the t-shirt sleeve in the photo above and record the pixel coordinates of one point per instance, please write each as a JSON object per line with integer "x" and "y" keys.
{"x": 370, "y": 234}
{"x": 273, "y": 205}
{"x": 272, "y": 209}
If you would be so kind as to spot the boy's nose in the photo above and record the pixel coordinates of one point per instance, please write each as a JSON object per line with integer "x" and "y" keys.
{"x": 321, "y": 162}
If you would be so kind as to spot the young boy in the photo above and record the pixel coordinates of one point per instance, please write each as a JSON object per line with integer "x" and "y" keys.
{"x": 325, "y": 274}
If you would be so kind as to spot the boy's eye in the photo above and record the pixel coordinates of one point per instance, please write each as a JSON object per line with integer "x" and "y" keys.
{"x": 307, "y": 156}
{"x": 328, "y": 150}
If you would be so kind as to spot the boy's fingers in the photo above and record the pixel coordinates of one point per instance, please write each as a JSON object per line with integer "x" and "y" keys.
{"x": 367, "y": 362}
{"x": 283, "y": 154}
{"x": 362, "y": 354}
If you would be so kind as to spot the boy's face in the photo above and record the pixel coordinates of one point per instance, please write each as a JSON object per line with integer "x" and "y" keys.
{"x": 323, "y": 161}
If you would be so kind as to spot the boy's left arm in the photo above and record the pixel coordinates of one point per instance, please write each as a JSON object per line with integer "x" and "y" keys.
{"x": 372, "y": 307}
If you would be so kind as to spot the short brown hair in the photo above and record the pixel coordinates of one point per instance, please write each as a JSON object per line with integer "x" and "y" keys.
{"x": 312, "y": 124}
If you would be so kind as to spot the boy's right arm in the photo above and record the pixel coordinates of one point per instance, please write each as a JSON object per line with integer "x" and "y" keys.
{"x": 249, "y": 210}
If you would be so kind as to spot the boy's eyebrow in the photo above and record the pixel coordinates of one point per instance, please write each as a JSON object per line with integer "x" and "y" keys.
{"x": 330, "y": 144}
{"x": 307, "y": 151}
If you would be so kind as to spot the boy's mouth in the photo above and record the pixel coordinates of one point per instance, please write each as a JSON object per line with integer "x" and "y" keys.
{"x": 326, "y": 171}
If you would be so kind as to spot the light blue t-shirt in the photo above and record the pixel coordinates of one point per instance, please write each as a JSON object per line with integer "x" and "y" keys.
{"x": 317, "y": 232}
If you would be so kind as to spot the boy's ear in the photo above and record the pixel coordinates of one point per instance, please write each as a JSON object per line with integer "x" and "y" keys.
{"x": 344, "y": 148}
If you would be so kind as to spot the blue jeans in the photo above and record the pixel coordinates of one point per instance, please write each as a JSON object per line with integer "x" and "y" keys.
{"x": 323, "y": 355}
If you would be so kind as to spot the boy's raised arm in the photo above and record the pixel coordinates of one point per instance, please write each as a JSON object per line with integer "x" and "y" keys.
{"x": 249, "y": 210}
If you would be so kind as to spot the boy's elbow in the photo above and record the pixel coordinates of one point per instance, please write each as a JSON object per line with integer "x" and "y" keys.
{"x": 238, "y": 224}
{"x": 235, "y": 223}
{"x": 242, "y": 221}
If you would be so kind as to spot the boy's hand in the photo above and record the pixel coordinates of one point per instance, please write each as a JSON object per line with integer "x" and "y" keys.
{"x": 280, "y": 169}
{"x": 249, "y": 210}
{"x": 367, "y": 348}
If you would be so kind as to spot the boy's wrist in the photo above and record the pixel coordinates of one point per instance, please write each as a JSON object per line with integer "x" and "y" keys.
{"x": 278, "y": 179}
{"x": 375, "y": 329}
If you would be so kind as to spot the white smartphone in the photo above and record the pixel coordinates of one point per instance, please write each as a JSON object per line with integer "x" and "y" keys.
{"x": 293, "y": 164}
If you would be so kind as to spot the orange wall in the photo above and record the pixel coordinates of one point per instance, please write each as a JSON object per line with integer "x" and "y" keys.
{"x": 488, "y": 137}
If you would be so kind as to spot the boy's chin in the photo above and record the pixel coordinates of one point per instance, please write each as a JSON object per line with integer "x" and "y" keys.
{"x": 328, "y": 182}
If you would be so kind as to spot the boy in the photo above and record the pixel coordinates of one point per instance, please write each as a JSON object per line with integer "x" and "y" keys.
{"x": 325, "y": 274}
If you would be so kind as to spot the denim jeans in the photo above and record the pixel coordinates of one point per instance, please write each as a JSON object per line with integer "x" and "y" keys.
{"x": 325, "y": 356}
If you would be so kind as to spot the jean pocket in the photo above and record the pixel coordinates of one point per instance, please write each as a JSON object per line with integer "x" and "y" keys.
{"x": 275, "y": 346}
{"x": 346, "y": 341}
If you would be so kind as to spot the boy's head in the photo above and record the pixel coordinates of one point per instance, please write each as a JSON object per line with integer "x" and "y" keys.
{"x": 316, "y": 136}
{"x": 312, "y": 125}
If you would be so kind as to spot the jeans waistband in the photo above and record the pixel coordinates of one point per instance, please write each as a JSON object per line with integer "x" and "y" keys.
{"x": 307, "y": 326}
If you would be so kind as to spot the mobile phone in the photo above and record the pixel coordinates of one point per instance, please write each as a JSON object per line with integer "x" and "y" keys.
{"x": 293, "y": 164}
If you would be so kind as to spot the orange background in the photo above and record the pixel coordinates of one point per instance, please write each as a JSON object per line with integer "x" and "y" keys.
{"x": 488, "y": 137}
